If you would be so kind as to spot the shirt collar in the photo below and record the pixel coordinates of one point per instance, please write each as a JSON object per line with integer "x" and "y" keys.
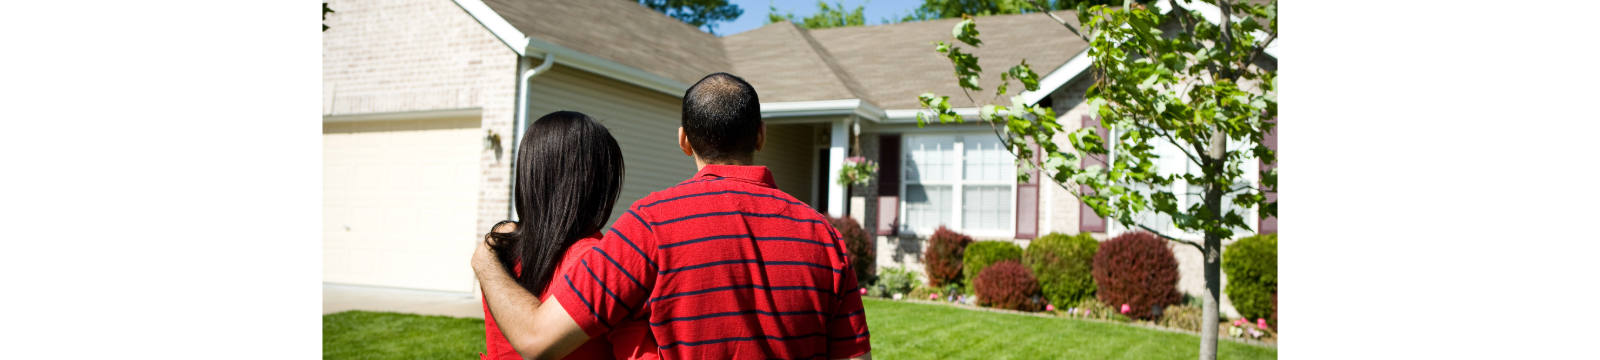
{"x": 754, "y": 173}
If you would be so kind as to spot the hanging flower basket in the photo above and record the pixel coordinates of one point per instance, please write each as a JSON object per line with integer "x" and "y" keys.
{"x": 857, "y": 170}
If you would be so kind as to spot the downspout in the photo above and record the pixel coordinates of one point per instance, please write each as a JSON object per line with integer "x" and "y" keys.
{"x": 522, "y": 123}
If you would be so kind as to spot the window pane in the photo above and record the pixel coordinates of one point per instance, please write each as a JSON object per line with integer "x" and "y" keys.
{"x": 930, "y": 158}
{"x": 986, "y": 159}
{"x": 927, "y": 207}
{"x": 986, "y": 207}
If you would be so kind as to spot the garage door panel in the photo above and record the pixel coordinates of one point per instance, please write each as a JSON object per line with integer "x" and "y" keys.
{"x": 400, "y": 202}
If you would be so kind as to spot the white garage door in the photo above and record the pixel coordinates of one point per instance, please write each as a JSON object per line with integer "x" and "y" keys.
{"x": 399, "y": 202}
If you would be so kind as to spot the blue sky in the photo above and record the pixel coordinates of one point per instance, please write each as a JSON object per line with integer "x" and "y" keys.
{"x": 755, "y": 11}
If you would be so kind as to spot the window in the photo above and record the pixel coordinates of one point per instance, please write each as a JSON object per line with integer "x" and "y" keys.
{"x": 966, "y": 182}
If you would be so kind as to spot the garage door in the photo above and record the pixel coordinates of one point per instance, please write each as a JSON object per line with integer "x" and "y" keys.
{"x": 399, "y": 202}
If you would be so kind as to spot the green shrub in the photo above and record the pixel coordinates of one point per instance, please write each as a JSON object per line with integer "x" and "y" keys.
{"x": 981, "y": 254}
{"x": 942, "y": 258}
{"x": 897, "y": 279}
{"x": 1252, "y": 268}
{"x": 1063, "y": 264}
{"x": 1181, "y": 317}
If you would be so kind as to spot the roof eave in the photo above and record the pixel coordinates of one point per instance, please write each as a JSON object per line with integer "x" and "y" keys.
{"x": 821, "y": 108}
{"x": 526, "y": 46}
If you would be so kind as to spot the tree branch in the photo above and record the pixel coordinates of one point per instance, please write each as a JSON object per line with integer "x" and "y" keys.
{"x": 1181, "y": 241}
{"x": 1059, "y": 20}
{"x": 1260, "y": 49}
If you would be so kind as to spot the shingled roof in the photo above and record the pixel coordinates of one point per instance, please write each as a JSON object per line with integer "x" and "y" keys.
{"x": 785, "y": 63}
{"x": 895, "y": 63}
{"x": 620, "y": 31}
{"x": 883, "y": 65}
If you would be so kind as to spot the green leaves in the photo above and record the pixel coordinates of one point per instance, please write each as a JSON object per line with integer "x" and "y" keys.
{"x": 1152, "y": 89}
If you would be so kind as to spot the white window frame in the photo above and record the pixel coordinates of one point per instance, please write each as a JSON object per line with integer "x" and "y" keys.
{"x": 1172, "y": 157}
{"x": 957, "y": 183}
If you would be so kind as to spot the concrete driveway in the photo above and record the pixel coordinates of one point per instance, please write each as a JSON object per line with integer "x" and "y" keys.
{"x": 338, "y": 298}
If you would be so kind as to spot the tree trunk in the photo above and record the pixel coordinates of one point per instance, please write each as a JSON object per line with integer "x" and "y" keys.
{"x": 1215, "y": 160}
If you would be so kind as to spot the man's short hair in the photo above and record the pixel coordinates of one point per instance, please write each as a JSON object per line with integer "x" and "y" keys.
{"x": 721, "y": 116}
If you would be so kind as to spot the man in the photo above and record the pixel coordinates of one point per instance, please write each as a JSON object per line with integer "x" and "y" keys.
{"x": 723, "y": 265}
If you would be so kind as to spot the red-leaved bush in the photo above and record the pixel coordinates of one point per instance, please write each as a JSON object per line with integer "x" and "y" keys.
{"x": 942, "y": 259}
{"x": 863, "y": 256}
{"x": 1007, "y": 285}
{"x": 1137, "y": 269}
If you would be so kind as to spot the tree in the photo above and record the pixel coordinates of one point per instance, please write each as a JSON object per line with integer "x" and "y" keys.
{"x": 1171, "y": 77}
{"x": 700, "y": 13}
{"x": 826, "y": 17}
{"x": 945, "y": 9}
{"x": 325, "y": 11}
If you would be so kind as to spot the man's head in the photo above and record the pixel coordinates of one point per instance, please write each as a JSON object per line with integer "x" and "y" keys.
{"x": 721, "y": 120}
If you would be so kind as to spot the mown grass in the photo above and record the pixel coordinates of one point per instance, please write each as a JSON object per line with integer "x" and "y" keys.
{"x": 900, "y": 330}
{"x": 385, "y": 335}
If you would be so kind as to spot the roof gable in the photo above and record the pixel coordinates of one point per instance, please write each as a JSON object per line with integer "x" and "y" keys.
{"x": 620, "y": 31}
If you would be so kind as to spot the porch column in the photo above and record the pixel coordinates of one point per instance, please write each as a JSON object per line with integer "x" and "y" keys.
{"x": 840, "y": 140}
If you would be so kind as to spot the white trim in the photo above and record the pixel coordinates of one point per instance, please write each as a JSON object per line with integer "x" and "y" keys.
{"x": 1058, "y": 78}
{"x": 476, "y": 112}
{"x": 822, "y": 108}
{"x": 607, "y": 68}
{"x": 495, "y": 24}
{"x": 525, "y": 45}
{"x": 910, "y": 115}
{"x": 839, "y": 141}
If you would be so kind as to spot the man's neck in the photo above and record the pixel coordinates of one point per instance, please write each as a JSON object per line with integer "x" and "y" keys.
{"x": 700, "y": 164}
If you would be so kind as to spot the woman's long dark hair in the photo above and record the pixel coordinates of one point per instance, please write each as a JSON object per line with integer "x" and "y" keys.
{"x": 569, "y": 172}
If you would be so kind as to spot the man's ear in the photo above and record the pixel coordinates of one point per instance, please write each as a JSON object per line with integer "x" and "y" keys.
{"x": 683, "y": 143}
{"x": 761, "y": 136}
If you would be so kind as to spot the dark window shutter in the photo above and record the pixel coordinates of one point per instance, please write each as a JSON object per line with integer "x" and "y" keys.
{"x": 889, "y": 160}
{"x": 1270, "y": 140}
{"x": 1088, "y": 221}
{"x": 1028, "y": 201}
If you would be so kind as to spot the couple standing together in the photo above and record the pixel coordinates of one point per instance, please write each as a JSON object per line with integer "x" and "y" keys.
{"x": 722, "y": 265}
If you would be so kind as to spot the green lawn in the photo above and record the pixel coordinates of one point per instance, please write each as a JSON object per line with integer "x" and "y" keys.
{"x": 899, "y": 331}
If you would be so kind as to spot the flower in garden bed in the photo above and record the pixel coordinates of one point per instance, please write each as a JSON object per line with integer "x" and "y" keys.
{"x": 1261, "y": 323}
{"x": 1048, "y": 307}
{"x": 863, "y": 291}
{"x": 1126, "y": 309}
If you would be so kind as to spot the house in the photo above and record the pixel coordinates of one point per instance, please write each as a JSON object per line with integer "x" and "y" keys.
{"x": 425, "y": 100}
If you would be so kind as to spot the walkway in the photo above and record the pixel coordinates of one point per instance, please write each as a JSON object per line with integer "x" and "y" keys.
{"x": 338, "y": 298}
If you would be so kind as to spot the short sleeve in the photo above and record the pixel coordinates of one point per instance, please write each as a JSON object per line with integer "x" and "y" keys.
{"x": 847, "y": 328}
{"x": 611, "y": 282}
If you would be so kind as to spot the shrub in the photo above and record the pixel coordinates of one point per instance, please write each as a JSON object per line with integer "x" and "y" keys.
{"x": 863, "y": 257}
{"x": 897, "y": 279}
{"x": 1252, "y": 268}
{"x": 1181, "y": 317}
{"x": 1099, "y": 310}
{"x": 1137, "y": 269}
{"x": 942, "y": 258}
{"x": 981, "y": 254}
{"x": 1008, "y": 285}
{"x": 1063, "y": 264}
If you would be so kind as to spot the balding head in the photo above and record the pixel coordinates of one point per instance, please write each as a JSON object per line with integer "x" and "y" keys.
{"x": 721, "y": 117}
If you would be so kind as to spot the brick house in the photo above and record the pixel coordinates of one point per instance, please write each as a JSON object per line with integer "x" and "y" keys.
{"x": 417, "y": 92}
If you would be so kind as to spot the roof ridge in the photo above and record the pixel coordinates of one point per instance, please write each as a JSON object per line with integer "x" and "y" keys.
{"x": 838, "y": 71}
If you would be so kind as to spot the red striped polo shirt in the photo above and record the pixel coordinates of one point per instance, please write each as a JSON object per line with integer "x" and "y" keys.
{"x": 723, "y": 266}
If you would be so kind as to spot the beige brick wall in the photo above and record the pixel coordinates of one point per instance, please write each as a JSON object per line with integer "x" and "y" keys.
{"x": 386, "y": 56}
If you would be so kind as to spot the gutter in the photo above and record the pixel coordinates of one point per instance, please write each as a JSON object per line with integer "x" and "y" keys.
{"x": 856, "y": 107}
{"x": 528, "y": 46}
{"x": 521, "y": 123}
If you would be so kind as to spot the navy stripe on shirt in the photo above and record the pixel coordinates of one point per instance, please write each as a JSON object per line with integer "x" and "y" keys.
{"x": 739, "y": 338}
{"x": 585, "y": 302}
{"x": 750, "y": 261}
{"x": 848, "y": 338}
{"x": 619, "y": 268}
{"x": 604, "y": 287}
{"x": 850, "y": 314}
{"x": 708, "y": 238}
{"x": 657, "y": 202}
{"x": 736, "y": 287}
{"x": 736, "y": 313}
{"x": 641, "y": 221}
{"x": 646, "y": 257}
{"x": 750, "y": 214}
{"x": 701, "y": 180}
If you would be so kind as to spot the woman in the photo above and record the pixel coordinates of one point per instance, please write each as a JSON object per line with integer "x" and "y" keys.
{"x": 568, "y": 174}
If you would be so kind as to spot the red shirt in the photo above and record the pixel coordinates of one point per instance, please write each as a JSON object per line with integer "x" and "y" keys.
{"x": 723, "y": 266}
{"x": 629, "y": 341}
